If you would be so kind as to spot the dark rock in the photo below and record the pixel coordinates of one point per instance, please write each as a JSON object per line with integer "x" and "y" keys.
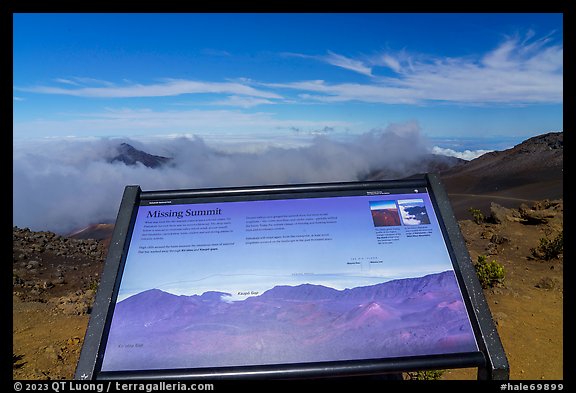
{"x": 47, "y": 284}
{"x": 547, "y": 283}
{"x": 498, "y": 239}
{"x": 536, "y": 217}
{"x": 500, "y": 214}
{"x": 33, "y": 265}
{"x": 491, "y": 249}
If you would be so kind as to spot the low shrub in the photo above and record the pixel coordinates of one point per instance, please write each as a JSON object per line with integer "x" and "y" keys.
{"x": 549, "y": 249}
{"x": 477, "y": 215}
{"x": 424, "y": 375}
{"x": 490, "y": 274}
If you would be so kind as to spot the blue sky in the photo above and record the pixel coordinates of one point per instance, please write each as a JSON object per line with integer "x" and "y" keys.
{"x": 268, "y": 76}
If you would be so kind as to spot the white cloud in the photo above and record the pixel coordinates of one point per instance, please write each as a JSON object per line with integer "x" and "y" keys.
{"x": 465, "y": 155}
{"x": 509, "y": 74}
{"x": 81, "y": 80}
{"x": 242, "y": 102}
{"x": 66, "y": 81}
{"x": 347, "y": 63}
{"x": 390, "y": 62}
{"x": 343, "y": 92}
{"x": 168, "y": 87}
{"x": 337, "y": 60}
{"x": 517, "y": 72}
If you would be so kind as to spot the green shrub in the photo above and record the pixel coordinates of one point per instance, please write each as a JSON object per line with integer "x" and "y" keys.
{"x": 93, "y": 285}
{"x": 549, "y": 249}
{"x": 477, "y": 215}
{"x": 490, "y": 274}
{"x": 424, "y": 375}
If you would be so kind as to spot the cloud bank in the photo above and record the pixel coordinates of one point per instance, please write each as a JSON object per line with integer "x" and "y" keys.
{"x": 464, "y": 155}
{"x": 63, "y": 185}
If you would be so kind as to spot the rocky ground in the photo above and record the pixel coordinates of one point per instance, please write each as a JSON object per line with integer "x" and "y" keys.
{"x": 528, "y": 306}
{"x": 55, "y": 279}
{"x": 54, "y": 283}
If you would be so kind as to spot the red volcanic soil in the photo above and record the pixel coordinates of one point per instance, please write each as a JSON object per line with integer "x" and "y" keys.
{"x": 102, "y": 232}
{"x": 385, "y": 217}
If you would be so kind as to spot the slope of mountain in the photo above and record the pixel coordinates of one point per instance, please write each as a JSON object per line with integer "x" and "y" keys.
{"x": 529, "y": 171}
{"x": 406, "y": 317}
{"x": 433, "y": 163}
{"x": 129, "y": 155}
{"x": 536, "y": 159}
{"x": 94, "y": 231}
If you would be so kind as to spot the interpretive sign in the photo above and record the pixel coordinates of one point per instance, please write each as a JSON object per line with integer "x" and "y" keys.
{"x": 298, "y": 280}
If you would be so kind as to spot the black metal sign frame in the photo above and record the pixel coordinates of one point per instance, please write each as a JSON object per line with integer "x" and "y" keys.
{"x": 490, "y": 360}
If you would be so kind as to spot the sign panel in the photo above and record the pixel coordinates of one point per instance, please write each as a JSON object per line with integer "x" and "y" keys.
{"x": 251, "y": 280}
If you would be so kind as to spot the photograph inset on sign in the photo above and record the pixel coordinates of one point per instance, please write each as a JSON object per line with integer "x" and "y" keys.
{"x": 413, "y": 212}
{"x": 384, "y": 213}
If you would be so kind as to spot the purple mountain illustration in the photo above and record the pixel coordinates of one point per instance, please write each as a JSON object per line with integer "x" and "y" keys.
{"x": 287, "y": 324}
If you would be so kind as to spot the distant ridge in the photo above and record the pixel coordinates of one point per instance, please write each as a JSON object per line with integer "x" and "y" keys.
{"x": 530, "y": 171}
{"x": 94, "y": 231}
{"x": 432, "y": 163}
{"x": 532, "y": 160}
{"x": 129, "y": 155}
